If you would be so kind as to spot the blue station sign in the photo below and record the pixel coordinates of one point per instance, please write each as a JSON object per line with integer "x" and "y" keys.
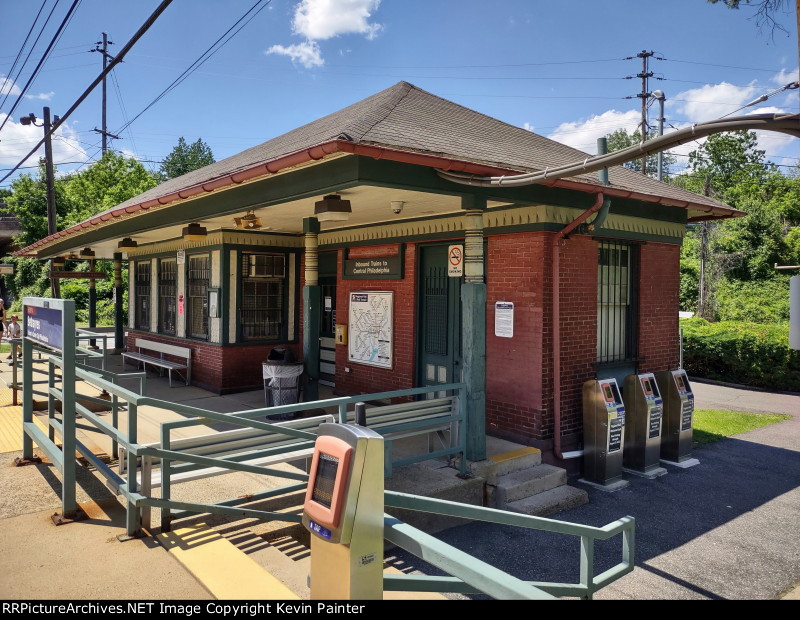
{"x": 45, "y": 326}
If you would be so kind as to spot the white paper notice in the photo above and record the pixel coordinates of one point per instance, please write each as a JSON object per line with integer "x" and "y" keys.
{"x": 504, "y": 319}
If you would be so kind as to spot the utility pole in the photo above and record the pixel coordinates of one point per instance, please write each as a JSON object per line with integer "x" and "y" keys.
{"x": 106, "y": 56}
{"x": 644, "y": 96}
{"x": 51, "y": 195}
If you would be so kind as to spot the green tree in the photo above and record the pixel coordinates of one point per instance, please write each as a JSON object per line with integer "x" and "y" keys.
{"x": 105, "y": 184}
{"x": 621, "y": 139}
{"x": 185, "y": 158}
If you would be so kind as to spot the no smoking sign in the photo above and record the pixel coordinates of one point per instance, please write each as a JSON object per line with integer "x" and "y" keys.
{"x": 455, "y": 261}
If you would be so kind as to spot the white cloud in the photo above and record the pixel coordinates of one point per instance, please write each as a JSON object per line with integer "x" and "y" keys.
{"x": 528, "y": 126}
{"x": 319, "y": 20}
{"x": 41, "y": 96}
{"x": 19, "y": 139}
{"x": 307, "y": 54}
{"x": 783, "y": 77}
{"x": 713, "y": 100}
{"x": 7, "y": 86}
{"x": 583, "y": 134}
{"x": 325, "y": 19}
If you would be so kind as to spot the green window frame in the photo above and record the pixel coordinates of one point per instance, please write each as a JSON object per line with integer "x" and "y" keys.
{"x": 197, "y": 283}
{"x": 167, "y": 296}
{"x": 263, "y": 303}
{"x": 142, "y": 295}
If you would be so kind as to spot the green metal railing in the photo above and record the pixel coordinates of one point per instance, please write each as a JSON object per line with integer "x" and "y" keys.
{"x": 477, "y": 578}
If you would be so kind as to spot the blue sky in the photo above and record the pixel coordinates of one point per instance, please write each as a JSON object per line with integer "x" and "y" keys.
{"x": 555, "y": 67}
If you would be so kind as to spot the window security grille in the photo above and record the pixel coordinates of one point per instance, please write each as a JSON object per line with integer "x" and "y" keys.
{"x": 615, "y": 302}
{"x": 142, "y": 293}
{"x": 167, "y": 295}
{"x": 261, "y": 312}
{"x": 197, "y": 293}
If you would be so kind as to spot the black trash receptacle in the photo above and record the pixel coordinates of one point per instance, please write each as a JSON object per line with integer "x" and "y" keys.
{"x": 281, "y": 379}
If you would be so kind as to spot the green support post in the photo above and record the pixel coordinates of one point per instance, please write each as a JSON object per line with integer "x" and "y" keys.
{"x": 312, "y": 297}
{"x": 68, "y": 440}
{"x": 92, "y": 304}
{"x": 473, "y": 343}
{"x": 473, "y": 304}
{"x": 119, "y": 345}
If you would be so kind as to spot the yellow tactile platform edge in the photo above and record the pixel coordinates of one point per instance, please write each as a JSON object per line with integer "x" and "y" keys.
{"x": 224, "y": 570}
{"x": 514, "y": 454}
{"x": 11, "y": 423}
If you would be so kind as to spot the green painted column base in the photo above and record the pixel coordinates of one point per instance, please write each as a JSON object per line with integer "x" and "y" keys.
{"x": 473, "y": 305}
{"x": 312, "y": 296}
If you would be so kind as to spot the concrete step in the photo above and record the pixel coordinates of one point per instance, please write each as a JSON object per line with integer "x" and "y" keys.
{"x": 550, "y": 502}
{"x": 524, "y": 483}
{"x": 505, "y": 463}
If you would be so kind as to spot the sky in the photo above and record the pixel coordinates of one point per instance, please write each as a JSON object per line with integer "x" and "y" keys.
{"x": 564, "y": 69}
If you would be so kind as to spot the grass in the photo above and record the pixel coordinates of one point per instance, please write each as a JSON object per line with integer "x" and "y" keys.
{"x": 711, "y": 425}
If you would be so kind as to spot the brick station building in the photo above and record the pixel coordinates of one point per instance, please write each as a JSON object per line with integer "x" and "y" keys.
{"x": 262, "y": 250}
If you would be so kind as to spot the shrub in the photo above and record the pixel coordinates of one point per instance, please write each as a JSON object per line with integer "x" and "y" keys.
{"x": 739, "y": 352}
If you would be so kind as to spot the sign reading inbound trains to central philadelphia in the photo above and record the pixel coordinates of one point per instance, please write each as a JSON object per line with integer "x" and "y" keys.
{"x": 44, "y": 321}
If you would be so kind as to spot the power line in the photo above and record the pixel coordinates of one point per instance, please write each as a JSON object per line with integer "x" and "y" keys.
{"x": 47, "y": 51}
{"x": 30, "y": 51}
{"x": 22, "y": 48}
{"x": 139, "y": 33}
{"x": 200, "y": 60}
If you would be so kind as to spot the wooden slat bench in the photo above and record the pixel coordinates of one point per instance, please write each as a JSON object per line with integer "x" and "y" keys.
{"x": 242, "y": 445}
{"x": 424, "y": 417}
{"x": 162, "y": 348}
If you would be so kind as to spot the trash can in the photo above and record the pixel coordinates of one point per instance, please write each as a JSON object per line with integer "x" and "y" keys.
{"x": 281, "y": 379}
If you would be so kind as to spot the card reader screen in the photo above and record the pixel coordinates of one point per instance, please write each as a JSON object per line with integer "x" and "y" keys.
{"x": 324, "y": 482}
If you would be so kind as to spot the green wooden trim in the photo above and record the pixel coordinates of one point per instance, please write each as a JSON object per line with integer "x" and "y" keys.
{"x": 472, "y": 202}
{"x": 311, "y": 225}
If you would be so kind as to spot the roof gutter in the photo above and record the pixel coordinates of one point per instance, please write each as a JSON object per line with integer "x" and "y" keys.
{"x": 331, "y": 147}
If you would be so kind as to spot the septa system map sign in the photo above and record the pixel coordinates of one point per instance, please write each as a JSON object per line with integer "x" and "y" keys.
{"x": 371, "y": 328}
{"x": 44, "y": 325}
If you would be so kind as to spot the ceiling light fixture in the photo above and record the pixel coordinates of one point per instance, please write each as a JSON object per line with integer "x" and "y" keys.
{"x": 194, "y": 232}
{"x": 87, "y": 253}
{"x": 127, "y": 243}
{"x": 332, "y": 209}
{"x": 248, "y": 222}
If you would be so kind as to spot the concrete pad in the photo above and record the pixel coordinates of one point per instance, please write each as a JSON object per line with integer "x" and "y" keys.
{"x": 682, "y": 464}
{"x": 608, "y": 488}
{"x": 84, "y": 560}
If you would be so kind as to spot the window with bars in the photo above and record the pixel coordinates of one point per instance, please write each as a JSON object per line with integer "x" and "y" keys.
{"x": 261, "y": 311}
{"x": 167, "y": 294}
{"x": 199, "y": 278}
{"x": 142, "y": 295}
{"x": 616, "y": 302}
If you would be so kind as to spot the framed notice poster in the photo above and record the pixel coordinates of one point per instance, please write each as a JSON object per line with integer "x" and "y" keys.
{"x": 371, "y": 326}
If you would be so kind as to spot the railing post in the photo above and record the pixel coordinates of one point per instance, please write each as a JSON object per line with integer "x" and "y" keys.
{"x": 587, "y": 565}
{"x": 147, "y": 489}
{"x": 133, "y": 515}
{"x": 343, "y": 413}
{"x": 68, "y": 439}
{"x": 27, "y": 393}
{"x": 51, "y": 400}
{"x": 165, "y": 484}
{"x": 115, "y": 424}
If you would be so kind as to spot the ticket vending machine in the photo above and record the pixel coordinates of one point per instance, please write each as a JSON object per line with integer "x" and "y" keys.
{"x": 643, "y": 412}
{"x": 343, "y": 510}
{"x": 676, "y": 434}
{"x": 603, "y": 434}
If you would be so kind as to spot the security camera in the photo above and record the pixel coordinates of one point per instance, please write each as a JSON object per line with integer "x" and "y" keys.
{"x": 397, "y": 206}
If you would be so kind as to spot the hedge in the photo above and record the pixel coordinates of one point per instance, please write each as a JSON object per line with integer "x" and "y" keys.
{"x": 739, "y": 352}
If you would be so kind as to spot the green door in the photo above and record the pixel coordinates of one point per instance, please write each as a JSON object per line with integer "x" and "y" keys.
{"x": 440, "y": 319}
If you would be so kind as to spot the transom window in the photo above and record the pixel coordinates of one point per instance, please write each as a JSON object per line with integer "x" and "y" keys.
{"x": 261, "y": 312}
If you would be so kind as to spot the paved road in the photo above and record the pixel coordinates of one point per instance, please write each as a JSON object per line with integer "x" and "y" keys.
{"x": 725, "y": 529}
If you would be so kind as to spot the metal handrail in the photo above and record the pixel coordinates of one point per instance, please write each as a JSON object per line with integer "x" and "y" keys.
{"x": 457, "y": 582}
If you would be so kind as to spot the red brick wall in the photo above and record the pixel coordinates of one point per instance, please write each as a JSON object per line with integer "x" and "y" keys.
{"x": 578, "y": 287}
{"x": 219, "y": 368}
{"x": 659, "y": 289}
{"x": 515, "y": 383}
{"x": 365, "y": 379}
